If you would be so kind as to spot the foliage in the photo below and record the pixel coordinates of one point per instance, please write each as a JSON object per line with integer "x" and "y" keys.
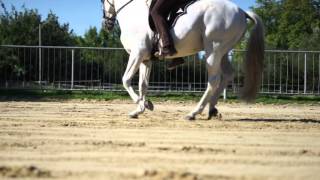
{"x": 19, "y": 27}
{"x": 93, "y": 38}
{"x": 22, "y": 27}
{"x": 291, "y": 24}
{"x": 116, "y": 58}
{"x": 56, "y": 34}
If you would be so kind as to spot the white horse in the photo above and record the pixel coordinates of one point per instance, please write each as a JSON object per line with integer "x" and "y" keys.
{"x": 214, "y": 26}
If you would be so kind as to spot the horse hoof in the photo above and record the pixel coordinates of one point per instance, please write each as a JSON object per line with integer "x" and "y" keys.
{"x": 212, "y": 113}
{"x": 133, "y": 116}
{"x": 190, "y": 118}
{"x": 149, "y": 105}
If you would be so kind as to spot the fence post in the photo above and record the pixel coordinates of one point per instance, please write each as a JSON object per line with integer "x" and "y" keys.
{"x": 40, "y": 55}
{"x": 305, "y": 74}
{"x": 40, "y": 65}
{"x": 72, "y": 69}
{"x": 225, "y": 94}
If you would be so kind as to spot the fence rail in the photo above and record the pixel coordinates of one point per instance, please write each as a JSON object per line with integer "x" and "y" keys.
{"x": 88, "y": 68}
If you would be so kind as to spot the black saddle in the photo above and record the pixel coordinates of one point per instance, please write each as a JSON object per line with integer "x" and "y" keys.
{"x": 179, "y": 10}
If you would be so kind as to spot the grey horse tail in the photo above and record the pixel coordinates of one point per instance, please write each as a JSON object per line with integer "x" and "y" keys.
{"x": 254, "y": 59}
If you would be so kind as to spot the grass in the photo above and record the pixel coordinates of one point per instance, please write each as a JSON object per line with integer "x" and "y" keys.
{"x": 283, "y": 99}
{"x": 57, "y": 95}
{"x": 49, "y": 95}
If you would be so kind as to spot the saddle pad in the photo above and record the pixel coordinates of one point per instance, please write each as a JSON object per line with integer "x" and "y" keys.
{"x": 176, "y": 12}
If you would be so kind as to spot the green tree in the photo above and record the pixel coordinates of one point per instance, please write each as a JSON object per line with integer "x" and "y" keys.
{"x": 21, "y": 28}
{"x": 112, "y": 61}
{"x": 112, "y": 39}
{"x": 298, "y": 22}
{"x": 290, "y": 24}
{"x": 93, "y": 38}
{"x": 56, "y": 34}
{"x": 90, "y": 39}
{"x": 270, "y": 11}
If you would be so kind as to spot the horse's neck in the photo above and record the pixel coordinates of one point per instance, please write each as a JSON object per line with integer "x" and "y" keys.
{"x": 133, "y": 9}
{"x": 134, "y": 15}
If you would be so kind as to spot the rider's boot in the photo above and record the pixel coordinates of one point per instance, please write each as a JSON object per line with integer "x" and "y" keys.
{"x": 165, "y": 51}
{"x": 168, "y": 50}
{"x": 174, "y": 63}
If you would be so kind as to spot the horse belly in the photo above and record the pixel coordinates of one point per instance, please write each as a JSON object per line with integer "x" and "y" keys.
{"x": 188, "y": 44}
{"x": 187, "y": 35}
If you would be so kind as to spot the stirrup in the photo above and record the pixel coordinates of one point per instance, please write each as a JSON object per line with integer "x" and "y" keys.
{"x": 170, "y": 52}
{"x": 157, "y": 54}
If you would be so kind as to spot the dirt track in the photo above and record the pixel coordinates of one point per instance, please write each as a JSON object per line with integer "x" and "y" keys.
{"x": 96, "y": 140}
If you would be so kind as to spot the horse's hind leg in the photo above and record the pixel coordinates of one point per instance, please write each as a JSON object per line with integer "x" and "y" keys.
{"x": 145, "y": 70}
{"x": 227, "y": 75}
{"x": 214, "y": 78}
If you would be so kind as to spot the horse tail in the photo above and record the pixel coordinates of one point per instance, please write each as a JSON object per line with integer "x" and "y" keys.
{"x": 254, "y": 59}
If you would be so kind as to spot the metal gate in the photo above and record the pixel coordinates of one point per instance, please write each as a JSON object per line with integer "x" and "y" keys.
{"x": 86, "y": 68}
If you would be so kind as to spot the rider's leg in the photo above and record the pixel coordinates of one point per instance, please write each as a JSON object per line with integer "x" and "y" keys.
{"x": 159, "y": 12}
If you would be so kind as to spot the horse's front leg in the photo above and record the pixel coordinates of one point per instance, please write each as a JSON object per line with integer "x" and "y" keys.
{"x": 135, "y": 60}
{"x": 144, "y": 75}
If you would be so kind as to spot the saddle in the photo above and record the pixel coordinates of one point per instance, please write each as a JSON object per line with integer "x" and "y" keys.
{"x": 176, "y": 12}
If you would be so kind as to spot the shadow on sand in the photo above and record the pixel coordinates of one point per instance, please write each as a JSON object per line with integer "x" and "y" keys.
{"x": 281, "y": 120}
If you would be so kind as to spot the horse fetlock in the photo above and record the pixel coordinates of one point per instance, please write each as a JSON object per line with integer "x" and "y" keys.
{"x": 213, "y": 112}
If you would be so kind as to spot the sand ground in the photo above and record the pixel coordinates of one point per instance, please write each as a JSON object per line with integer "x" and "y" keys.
{"x": 96, "y": 140}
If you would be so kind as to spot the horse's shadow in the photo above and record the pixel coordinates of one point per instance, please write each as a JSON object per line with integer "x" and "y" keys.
{"x": 314, "y": 121}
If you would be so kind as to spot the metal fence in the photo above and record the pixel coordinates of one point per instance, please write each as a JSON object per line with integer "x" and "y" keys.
{"x": 83, "y": 68}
